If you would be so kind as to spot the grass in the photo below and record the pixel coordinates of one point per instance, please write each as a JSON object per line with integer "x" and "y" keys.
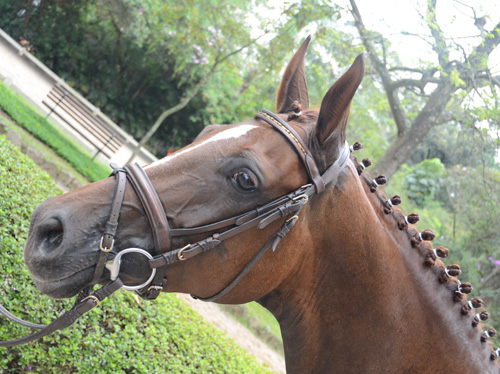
{"x": 265, "y": 318}
{"x": 49, "y": 154}
{"x": 164, "y": 336}
{"x": 260, "y": 321}
{"x": 30, "y": 119}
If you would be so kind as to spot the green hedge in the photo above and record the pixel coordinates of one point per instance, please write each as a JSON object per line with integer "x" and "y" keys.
{"x": 27, "y": 117}
{"x": 164, "y": 336}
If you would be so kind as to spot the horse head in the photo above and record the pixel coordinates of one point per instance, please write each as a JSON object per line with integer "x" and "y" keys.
{"x": 228, "y": 170}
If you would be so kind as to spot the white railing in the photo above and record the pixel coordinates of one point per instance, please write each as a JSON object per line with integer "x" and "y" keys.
{"x": 75, "y": 114}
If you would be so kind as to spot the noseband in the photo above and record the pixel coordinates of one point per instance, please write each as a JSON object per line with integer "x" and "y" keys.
{"x": 289, "y": 205}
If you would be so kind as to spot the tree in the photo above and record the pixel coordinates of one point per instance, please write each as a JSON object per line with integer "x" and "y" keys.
{"x": 143, "y": 61}
{"x": 434, "y": 93}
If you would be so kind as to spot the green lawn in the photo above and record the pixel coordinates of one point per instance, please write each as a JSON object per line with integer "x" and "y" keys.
{"x": 29, "y": 118}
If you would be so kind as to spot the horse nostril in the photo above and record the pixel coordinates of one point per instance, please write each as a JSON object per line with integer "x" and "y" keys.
{"x": 51, "y": 233}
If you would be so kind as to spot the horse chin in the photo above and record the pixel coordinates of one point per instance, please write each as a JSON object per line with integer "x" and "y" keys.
{"x": 66, "y": 287}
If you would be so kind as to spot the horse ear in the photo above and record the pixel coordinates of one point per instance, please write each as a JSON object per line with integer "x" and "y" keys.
{"x": 293, "y": 85}
{"x": 334, "y": 111}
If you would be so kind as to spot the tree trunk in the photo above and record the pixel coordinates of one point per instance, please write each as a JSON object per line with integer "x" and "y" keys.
{"x": 405, "y": 143}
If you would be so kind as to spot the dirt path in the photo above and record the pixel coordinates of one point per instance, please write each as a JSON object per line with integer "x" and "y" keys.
{"x": 236, "y": 331}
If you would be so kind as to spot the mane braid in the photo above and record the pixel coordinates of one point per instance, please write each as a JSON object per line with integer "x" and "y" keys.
{"x": 393, "y": 218}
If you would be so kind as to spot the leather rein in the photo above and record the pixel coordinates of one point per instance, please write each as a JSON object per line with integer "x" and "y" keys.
{"x": 289, "y": 205}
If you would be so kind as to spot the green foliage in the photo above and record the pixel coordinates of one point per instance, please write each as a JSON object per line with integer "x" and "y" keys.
{"x": 134, "y": 59}
{"x": 454, "y": 144}
{"x": 259, "y": 321}
{"x": 422, "y": 181}
{"x": 265, "y": 318}
{"x": 462, "y": 215}
{"x": 38, "y": 126}
{"x": 120, "y": 337}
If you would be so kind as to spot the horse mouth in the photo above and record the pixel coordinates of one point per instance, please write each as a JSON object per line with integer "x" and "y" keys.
{"x": 66, "y": 287}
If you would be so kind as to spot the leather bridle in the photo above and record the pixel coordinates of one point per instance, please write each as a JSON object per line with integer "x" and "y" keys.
{"x": 289, "y": 206}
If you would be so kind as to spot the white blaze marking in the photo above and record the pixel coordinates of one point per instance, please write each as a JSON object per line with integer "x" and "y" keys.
{"x": 231, "y": 133}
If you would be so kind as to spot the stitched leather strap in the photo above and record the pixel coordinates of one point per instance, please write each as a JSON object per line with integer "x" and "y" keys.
{"x": 157, "y": 222}
{"x": 286, "y": 207}
{"x": 298, "y": 145}
{"x": 152, "y": 207}
{"x": 69, "y": 317}
{"x": 111, "y": 225}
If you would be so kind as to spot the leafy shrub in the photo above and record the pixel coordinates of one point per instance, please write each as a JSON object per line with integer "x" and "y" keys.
{"x": 41, "y": 128}
{"x": 164, "y": 336}
{"x": 423, "y": 180}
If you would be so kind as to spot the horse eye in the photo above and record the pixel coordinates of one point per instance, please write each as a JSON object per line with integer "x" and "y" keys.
{"x": 245, "y": 181}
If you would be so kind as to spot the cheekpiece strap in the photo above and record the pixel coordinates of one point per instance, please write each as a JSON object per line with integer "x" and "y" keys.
{"x": 109, "y": 231}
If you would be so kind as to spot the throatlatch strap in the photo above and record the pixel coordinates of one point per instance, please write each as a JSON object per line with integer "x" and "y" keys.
{"x": 271, "y": 243}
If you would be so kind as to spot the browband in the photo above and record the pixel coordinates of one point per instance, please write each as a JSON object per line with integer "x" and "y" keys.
{"x": 297, "y": 144}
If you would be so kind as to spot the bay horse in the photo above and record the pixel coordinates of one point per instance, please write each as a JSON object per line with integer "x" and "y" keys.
{"x": 275, "y": 209}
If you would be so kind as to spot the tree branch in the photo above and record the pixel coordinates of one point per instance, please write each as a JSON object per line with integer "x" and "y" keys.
{"x": 491, "y": 40}
{"x": 419, "y": 83}
{"x": 187, "y": 97}
{"x": 493, "y": 80}
{"x": 440, "y": 47}
{"x": 236, "y": 51}
{"x": 404, "y": 68}
{"x": 398, "y": 112}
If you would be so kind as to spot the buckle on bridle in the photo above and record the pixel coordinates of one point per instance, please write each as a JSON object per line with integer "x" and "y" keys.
{"x": 303, "y": 197}
{"x": 181, "y": 251}
{"x": 91, "y": 297}
{"x": 155, "y": 288}
{"x": 106, "y": 249}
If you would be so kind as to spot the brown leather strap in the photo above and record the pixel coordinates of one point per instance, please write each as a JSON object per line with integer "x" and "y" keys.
{"x": 152, "y": 207}
{"x": 69, "y": 317}
{"x": 286, "y": 207}
{"x": 18, "y": 320}
{"x": 242, "y": 273}
{"x": 109, "y": 232}
{"x": 240, "y": 219}
{"x": 157, "y": 222}
{"x": 298, "y": 145}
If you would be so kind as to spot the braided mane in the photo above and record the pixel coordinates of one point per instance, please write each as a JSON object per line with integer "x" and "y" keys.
{"x": 424, "y": 262}
{"x": 396, "y": 223}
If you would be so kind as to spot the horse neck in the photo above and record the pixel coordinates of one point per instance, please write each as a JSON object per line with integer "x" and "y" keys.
{"x": 361, "y": 302}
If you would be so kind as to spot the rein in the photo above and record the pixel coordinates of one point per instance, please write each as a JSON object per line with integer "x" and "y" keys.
{"x": 163, "y": 254}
